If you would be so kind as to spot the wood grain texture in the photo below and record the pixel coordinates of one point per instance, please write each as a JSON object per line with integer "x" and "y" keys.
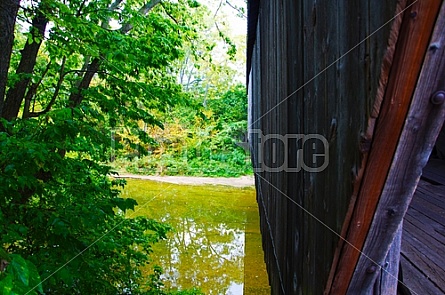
{"x": 366, "y": 138}
{"x": 299, "y": 85}
{"x": 421, "y": 127}
{"x": 423, "y": 245}
{"x": 418, "y": 283}
{"x": 412, "y": 45}
{"x": 387, "y": 281}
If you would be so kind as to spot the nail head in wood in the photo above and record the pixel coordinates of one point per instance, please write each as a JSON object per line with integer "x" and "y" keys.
{"x": 438, "y": 97}
{"x": 434, "y": 46}
{"x": 371, "y": 269}
{"x": 391, "y": 212}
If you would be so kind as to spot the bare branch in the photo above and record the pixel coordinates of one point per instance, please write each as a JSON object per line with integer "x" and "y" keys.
{"x": 143, "y": 11}
{"x": 240, "y": 11}
{"x": 112, "y": 7}
{"x": 59, "y": 84}
{"x": 149, "y": 6}
{"x": 115, "y": 4}
{"x": 217, "y": 10}
{"x": 79, "y": 11}
{"x": 32, "y": 91}
{"x": 169, "y": 14}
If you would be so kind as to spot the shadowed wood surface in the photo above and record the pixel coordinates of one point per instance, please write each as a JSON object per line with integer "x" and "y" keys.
{"x": 315, "y": 70}
{"x": 423, "y": 242}
{"x": 420, "y": 129}
{"x": 326, "y": 68}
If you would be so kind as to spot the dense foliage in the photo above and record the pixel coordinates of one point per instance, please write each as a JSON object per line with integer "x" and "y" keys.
{"x": 56, "y": 206}
{"x": 71, "y": 73}
{"x": 206, "y": 141}
{"x": 206, "y": 136}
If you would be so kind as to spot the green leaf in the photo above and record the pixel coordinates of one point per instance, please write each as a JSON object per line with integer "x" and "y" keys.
{"x": 6, "y": 285}
{"x": 34, "y": 277}
{"x": 125, "y": 204}
{"x": 19, "y": 268}
{"x": 10, "y": 168}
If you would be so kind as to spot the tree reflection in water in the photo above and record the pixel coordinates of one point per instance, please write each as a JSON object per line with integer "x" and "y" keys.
{"x": 206, "y": 249}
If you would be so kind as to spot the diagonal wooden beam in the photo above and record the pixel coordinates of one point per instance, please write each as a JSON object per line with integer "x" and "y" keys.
{"x": 412, "y": 44}
{"x": 422, "y": 126}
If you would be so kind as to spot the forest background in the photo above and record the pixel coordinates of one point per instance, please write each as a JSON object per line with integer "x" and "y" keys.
{"x": 205, "y": 135}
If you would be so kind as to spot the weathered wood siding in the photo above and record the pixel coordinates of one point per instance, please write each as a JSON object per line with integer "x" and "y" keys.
{"x": 408, "y": 124}
{"x": 315, "y": 68}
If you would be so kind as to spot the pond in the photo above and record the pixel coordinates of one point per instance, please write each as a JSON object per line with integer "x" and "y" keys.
{"x": 216, "y": 242}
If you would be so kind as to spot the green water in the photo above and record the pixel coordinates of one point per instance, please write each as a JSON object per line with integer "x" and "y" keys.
{"x": 216, "y": 243}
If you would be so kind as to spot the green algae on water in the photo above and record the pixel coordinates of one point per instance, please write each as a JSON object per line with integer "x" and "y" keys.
{"x": 215, "y": 244}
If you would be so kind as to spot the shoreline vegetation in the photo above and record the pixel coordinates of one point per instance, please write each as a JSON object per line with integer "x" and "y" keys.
{"x": 210, "y": 141}
{"x": 241, "y": 182}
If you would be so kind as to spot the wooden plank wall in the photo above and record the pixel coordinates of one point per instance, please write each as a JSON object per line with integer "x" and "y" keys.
{"x": 297, "y": 86}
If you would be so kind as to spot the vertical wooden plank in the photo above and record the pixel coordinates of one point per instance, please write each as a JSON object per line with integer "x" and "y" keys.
{"x": 309, "y": 71}
{"x": 379, "y": 63}
{"x": 322, "y": 109}
{"x": 270, "y": 89}
{"x": 297, "y": 41}
{"x": 387, "y": 281}
{"x": 283, "y": 117}
{"x": 294, "y": 52}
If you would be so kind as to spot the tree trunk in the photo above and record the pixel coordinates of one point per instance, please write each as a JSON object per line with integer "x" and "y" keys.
{"x": 8, "y": 14}
{"x": 76, "y": 97}
{"x": 16, "y": 93}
